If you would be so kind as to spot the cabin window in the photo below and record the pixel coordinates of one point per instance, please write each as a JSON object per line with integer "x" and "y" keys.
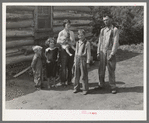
{"x": 43, "y": 17}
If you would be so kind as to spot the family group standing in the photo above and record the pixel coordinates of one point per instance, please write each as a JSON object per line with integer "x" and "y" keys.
{"x": 77, "y": 54}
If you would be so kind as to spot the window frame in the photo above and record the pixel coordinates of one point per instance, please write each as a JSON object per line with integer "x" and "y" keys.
{"x": 36, "y": 21}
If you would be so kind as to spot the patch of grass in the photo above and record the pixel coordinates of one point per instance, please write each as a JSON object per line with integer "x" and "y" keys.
{"x": 137, "y": 48}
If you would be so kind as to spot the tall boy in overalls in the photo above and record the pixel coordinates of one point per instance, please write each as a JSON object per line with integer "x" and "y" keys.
{"x": 81, "y": 62}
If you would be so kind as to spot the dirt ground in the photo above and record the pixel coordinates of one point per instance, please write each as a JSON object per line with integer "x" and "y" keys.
{"x": 21, "y": 94}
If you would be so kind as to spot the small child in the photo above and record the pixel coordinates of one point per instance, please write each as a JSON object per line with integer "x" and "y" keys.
{"x": 36, "y": 66}
{"x": 65, "y": 45}
{"x": 81, "y": 62}
{"x": 51, "y": 54}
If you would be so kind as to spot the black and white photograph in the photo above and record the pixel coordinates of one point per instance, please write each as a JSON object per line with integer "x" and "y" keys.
{"x": 74, "y": 61}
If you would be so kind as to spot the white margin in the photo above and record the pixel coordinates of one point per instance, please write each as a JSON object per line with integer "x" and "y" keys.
{"x": 73, "y": 115}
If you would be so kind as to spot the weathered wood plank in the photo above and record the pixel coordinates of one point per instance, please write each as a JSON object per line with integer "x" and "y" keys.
{"x": 41, "y": 35}
{"x": 19, "y": 24}
{"x": 18, "y": 16}
{"x": 72, "y": 18}
{"x": 10, "y": 51}
{"x": 61, "y": 14}
{"x": 20, "y": 8}
{"x": 19, "y": 33}
{"x": 14, "y": 44}
{"x": 20, "y": 12}
{"x": 17, "y": 59}
{"x": 19, "y": 38}
{"x": 73, "y": 28}
{"x": 72, "y": 8}
{"x": 73, "y": 22}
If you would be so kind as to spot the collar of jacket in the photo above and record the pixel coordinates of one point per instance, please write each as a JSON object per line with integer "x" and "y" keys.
{"x": 49, "y": 48}
{"x": 109, "y": 28}
{"x": 84, "y": 41}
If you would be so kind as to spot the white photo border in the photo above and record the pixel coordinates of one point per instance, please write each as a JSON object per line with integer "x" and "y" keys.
{"x": 73, "y": 115}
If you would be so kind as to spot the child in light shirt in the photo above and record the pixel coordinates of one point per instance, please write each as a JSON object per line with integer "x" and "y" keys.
{"x": 36, "y": 66}
{"x": 81, "y": 63}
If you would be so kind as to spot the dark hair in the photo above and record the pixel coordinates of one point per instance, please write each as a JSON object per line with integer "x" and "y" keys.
{"x": 107, "y": 14}
{"x": 66, "y": 21}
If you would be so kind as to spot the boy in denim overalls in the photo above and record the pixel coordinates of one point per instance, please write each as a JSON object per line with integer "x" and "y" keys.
{"x": 81, "y": 62}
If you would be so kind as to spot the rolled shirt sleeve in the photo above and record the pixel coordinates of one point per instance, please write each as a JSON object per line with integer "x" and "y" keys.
{"x": 115, "y": 41}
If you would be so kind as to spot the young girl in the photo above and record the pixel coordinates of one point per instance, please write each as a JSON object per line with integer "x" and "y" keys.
{"x": 37, "y": 66}
{"x": 51, "y": 54}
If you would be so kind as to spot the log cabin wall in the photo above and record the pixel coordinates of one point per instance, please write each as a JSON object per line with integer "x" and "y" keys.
{"x": 30, "y": 25}
{"x": 19, "y": 32}
{"x": 80, "y": 17}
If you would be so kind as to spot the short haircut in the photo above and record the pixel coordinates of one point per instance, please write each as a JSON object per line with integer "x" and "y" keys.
{"x": 66, "y": 21}
{"x": 107, "y": 14}
{"x": 81, "y": 31}
{"x": 35, "y": 48}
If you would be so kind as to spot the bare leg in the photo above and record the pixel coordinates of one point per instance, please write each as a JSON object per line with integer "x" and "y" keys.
{"x": 67, "y": 50}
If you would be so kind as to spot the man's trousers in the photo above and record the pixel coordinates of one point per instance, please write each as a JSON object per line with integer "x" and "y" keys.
{"x": 111, "y": 65}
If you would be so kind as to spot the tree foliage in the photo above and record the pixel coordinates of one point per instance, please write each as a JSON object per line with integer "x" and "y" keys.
{"x": 128, "y": 19}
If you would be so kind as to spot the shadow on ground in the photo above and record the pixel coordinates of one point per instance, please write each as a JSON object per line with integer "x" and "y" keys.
{"x": 137, "y": 89}
{"x": 24, "y": 84}
{"x": 122, "y": 55}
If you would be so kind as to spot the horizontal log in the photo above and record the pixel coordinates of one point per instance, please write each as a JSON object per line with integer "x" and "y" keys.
{"x": 41, "y": 35}
{"x": 72, "y": 8}
{"x": 19, "y": 24}
{"x": 19, "y": 33}
{"x": 20, "y": 12}
{"x": 72, "y": 18}
{"x": 67, "y": 14}
{"x": 17, "y": 59}
{"x": 73, "y": 22}
{"x": 14, "y": 54}
{"x": 43, "y": 30}
{"x": 19, "y": 38}
{"x": 18, "y": 16}
{"x": 14, "y": 44}
{"x": 10, "y": 51}
{"x": 20, "y": 8}
{"x": 73, "y": 28}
